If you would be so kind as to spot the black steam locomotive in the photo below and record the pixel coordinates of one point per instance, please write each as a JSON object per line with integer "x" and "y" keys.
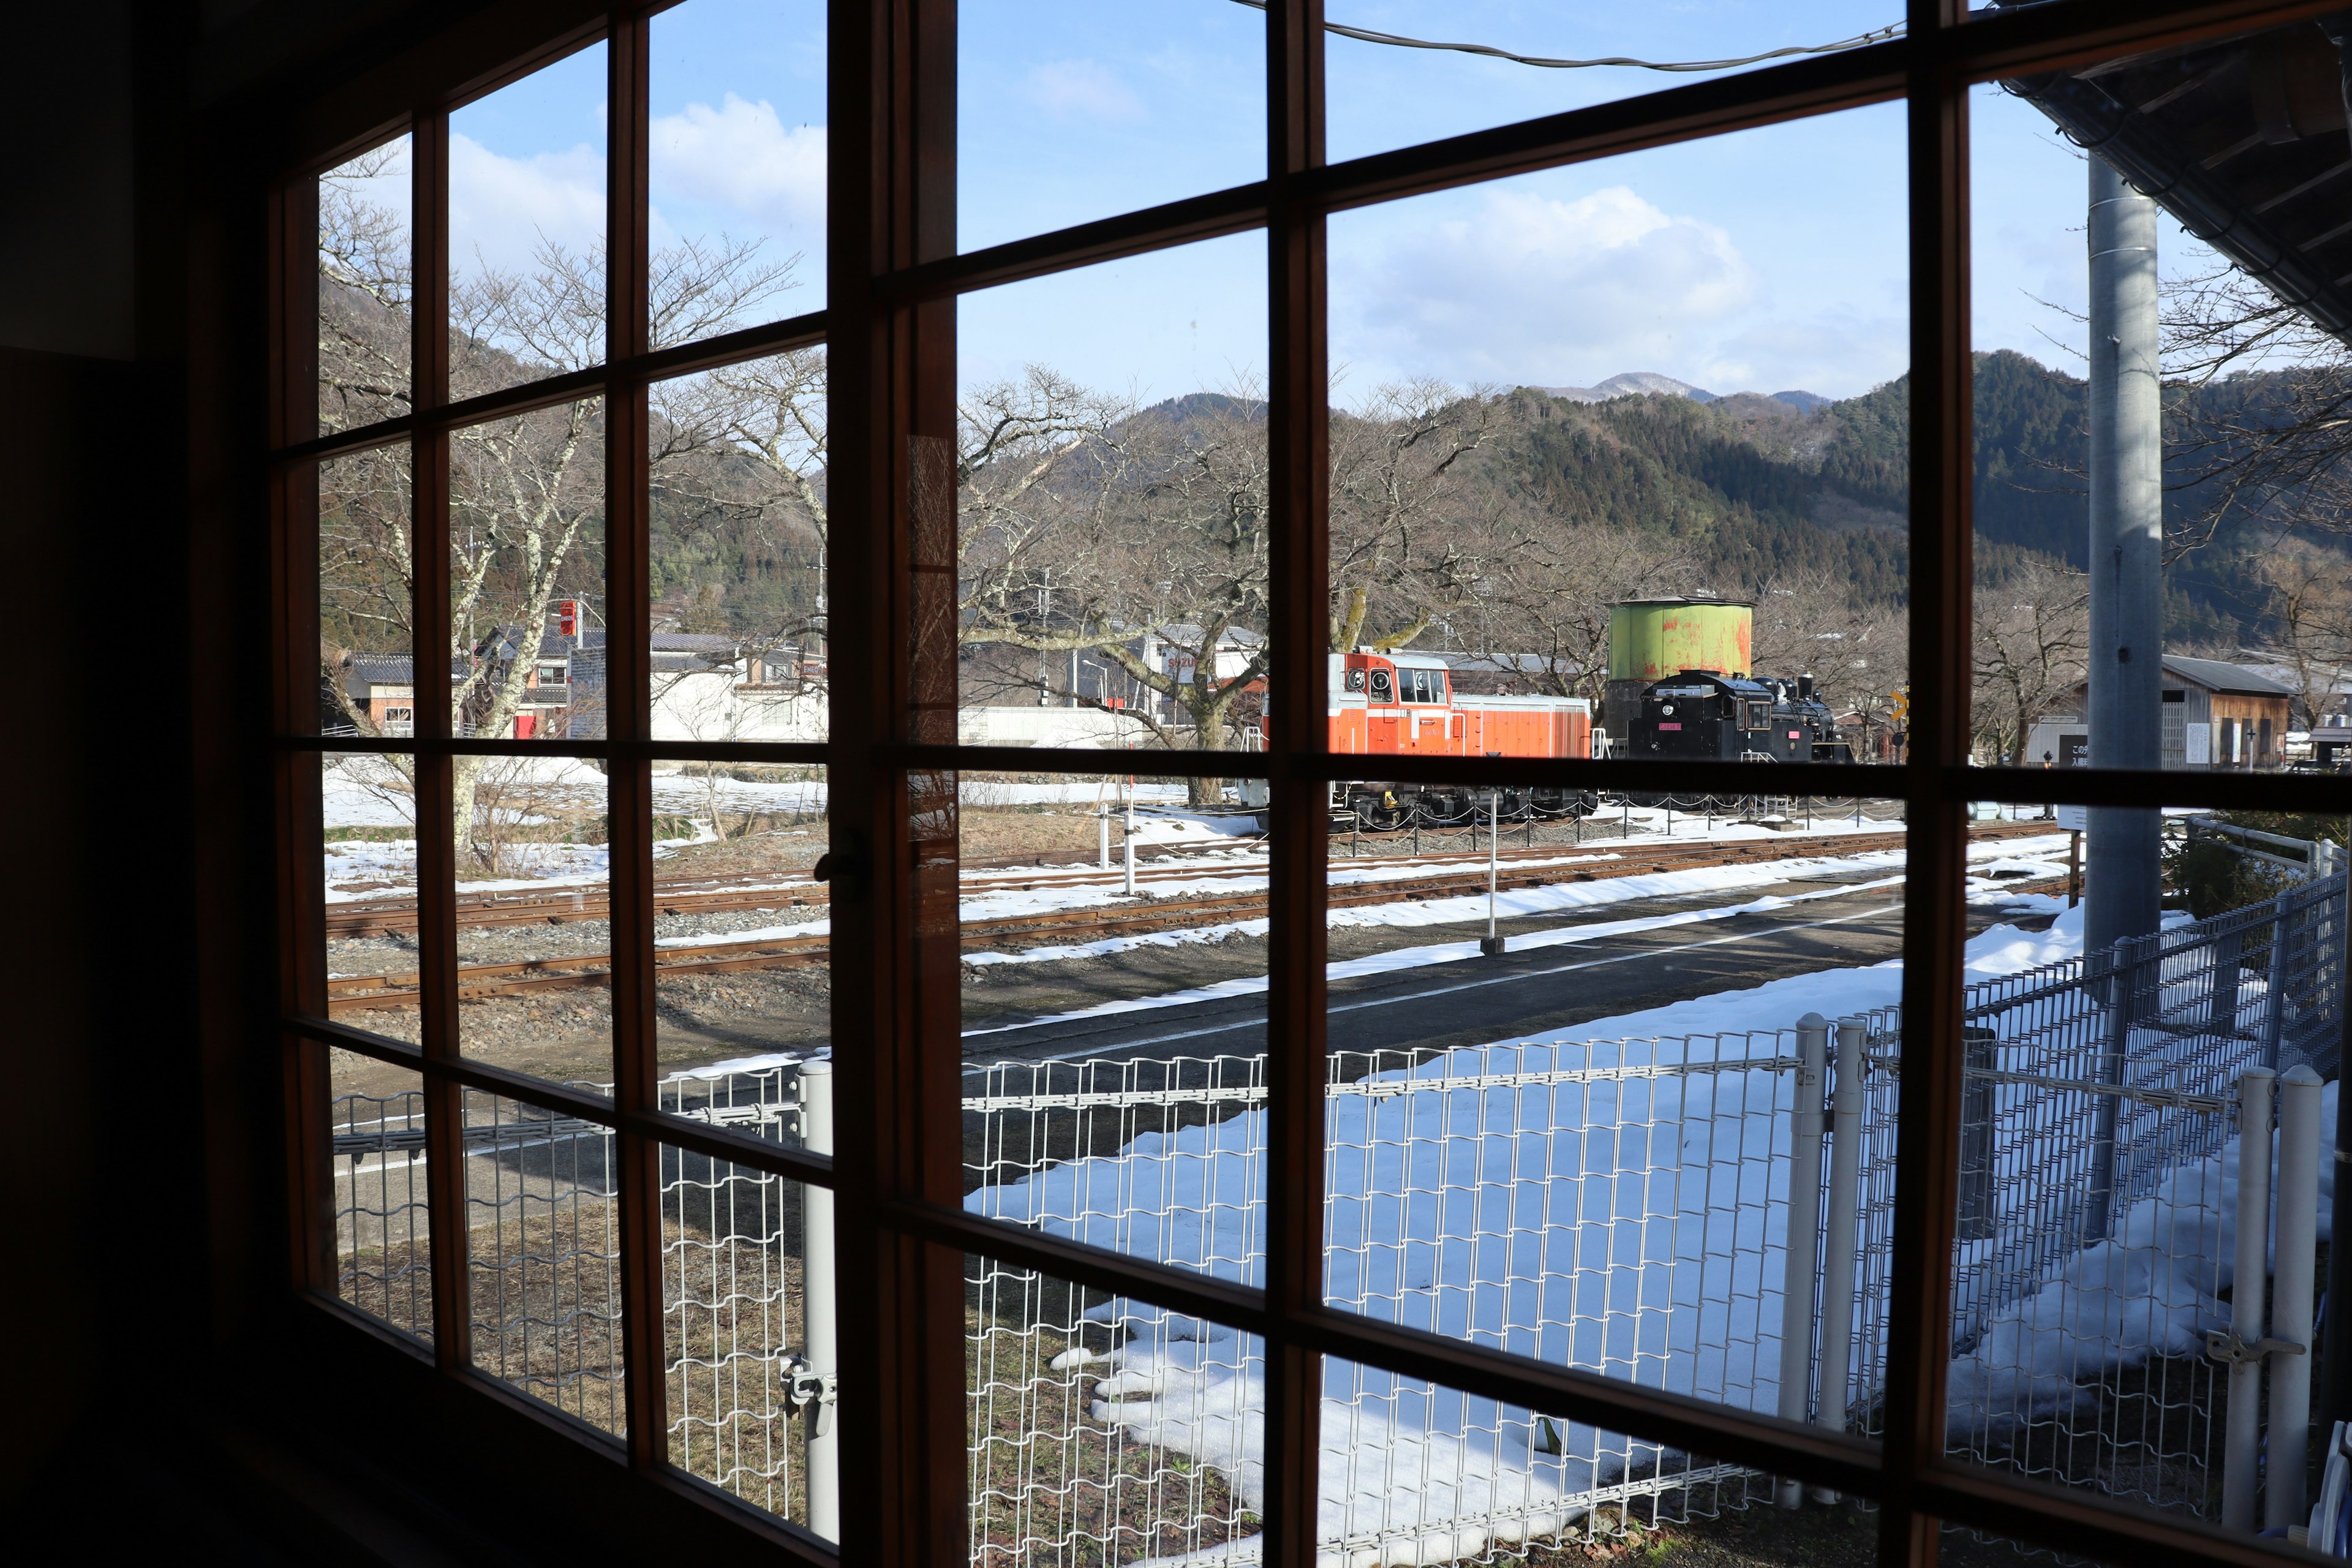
{"x": 1701, "y": 716}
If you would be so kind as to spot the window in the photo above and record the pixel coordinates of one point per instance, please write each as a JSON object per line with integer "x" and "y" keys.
{"x": 644, "y": 1041}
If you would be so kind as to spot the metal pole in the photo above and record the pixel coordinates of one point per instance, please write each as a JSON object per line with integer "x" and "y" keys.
{"x": 1493, "y": 946}
{"x": 2121, "y": 992}
{"x": 1803, "y": 1256}
{"x": 2288, "y": 1436}
{"x": 1102, "y": 820}
{"x": 2335, "y": 1394}
{"x": 1838, "y": 1264}
{"x": 2243, "y": 1441}
{"x": 2126, "y": 544}
{"x": 821, "y": 1345}
{"x": 2275, "y": 1001}
{"x": 1131, "y": 835}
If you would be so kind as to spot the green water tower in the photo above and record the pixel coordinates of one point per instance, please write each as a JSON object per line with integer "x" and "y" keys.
{"x": 1650, "y": 640}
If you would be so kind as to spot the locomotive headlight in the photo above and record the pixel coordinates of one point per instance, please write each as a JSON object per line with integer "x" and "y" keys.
{"x": 1665, "y": 708}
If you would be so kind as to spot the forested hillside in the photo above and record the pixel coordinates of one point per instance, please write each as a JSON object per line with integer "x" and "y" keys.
{"x": 1753, "y": 487}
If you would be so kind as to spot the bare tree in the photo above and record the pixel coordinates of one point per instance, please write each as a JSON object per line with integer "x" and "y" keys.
{"x": 2310, "y": 589}
{"x": 1549, "y": 591}
{"x": 525, "y": 521}
{"x": 1858, "y": 655}
{"x": 1402, "y": 506}
{"x": 2268, "y": 434}
{"x": 2033, "y": 638}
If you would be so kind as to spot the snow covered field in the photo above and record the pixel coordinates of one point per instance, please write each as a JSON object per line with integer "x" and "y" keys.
{"x": 1614, "y": 1200}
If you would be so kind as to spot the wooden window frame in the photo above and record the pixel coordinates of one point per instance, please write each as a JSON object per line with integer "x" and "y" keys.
{"x": 889, "y": 327}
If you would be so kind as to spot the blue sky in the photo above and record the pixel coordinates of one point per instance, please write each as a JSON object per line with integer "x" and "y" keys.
{"x": 1768, "y": 260}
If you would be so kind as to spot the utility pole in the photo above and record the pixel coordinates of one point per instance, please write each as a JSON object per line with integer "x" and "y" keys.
{"x": 2126, "y": 553}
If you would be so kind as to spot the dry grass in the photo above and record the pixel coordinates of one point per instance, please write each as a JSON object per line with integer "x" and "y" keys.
{"x": 1054, "y": 1488}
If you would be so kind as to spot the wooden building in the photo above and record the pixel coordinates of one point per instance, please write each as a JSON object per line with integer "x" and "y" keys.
{"x": 2216, "y": 715}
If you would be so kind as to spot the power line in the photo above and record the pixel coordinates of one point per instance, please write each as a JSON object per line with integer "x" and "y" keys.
{"x": 1365, "y": 35}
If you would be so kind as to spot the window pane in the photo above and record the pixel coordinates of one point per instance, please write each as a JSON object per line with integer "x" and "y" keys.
{"x": 2131, "y": 1110}
{"x": 2169, "y": 406}
{"x": 1104, "y": 1430}
{"x": 534, "y": 937}
{"x": 376, "y": 1124}
{"x": 1413, "y": 1471}
{"x": 526, "y": 576}
{"x": 368, "y": 875}
{"x": 366, "y": 585}
{"x": 1387, "y": 94}
{"x": 1569, "y": 1116}
{"x": 741, "y": 931}
{"x": 1111, "y": 515}
{"x": 751, "y": 1365}
{"x": 739, "y": 525}
{"x": 527, "y": 229}
{"x": 1107, "y": 917}
{"x": 738, "y": 165}
{"x": 1068, "y": 112}
{"x": 544, "y": 1256}
{"x": 365, "y": 288}
{"x": 1610, "y": 432}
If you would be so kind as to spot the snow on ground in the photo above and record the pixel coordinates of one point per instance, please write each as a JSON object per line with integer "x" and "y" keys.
{"x": 1431, "y": 1197}
{"x": 2152, "y": 1290}
{"x": 1470, "y": 1211}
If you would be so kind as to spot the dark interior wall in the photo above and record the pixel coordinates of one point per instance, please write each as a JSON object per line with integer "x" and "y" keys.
{"x": 100, "y": 1143}
{"x": 166, "y": 1394}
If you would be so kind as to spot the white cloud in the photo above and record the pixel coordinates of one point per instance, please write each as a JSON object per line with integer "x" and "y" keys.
{"x": 501, "y": 206}
{"x": 1081, "y": 90}
{"x": 1530, "y": 289}
{"x": 740, "y": 155}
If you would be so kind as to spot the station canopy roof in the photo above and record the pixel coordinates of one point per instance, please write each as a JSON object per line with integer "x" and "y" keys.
{"x": 2244, "y": 141}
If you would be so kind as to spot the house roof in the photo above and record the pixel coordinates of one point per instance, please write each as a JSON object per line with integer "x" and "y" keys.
{"x": 2216, "y": 676}
{"x": 695, "y": 642}
{"x": 381, "y": 670}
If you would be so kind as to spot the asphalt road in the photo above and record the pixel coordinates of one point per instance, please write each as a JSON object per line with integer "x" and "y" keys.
{"x": 1478, "y": 1000}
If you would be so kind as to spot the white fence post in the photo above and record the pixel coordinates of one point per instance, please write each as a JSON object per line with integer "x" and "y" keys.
{"x": 2284, "y": 1501}
{"x": 1804, "y": 1236}
{"x": 1848, "y": 1099}
{"x": 2243, "y": 1441}
{"x": 820, "y": 1339}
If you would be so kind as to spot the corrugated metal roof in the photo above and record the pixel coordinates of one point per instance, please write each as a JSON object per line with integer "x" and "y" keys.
{"x": 2217, "y": 676}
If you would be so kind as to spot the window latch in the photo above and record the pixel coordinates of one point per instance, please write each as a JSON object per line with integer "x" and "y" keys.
{"x": 804, "y": 1386}
{"x": 2225, "y": 1346}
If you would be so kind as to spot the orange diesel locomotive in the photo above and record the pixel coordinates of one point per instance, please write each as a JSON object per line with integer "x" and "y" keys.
{"x": 1404, "y": 704}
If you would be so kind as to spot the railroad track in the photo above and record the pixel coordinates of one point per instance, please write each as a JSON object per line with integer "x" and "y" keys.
{"x": 384, "y": 917}
{"x": 352, "y": 994}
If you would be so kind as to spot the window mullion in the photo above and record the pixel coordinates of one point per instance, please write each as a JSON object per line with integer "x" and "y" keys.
{"x": 436, "y": 915}
{"x": 1933, "y": 923}
{"x": 635, "y": 1065}
{"x": 1295, "y": 1072}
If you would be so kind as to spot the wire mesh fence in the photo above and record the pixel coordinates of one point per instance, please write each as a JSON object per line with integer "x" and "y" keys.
{"x": 1622, "y": 1206}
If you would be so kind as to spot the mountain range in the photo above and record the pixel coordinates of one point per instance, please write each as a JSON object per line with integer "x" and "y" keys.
{"x": 1756, "y": 485}
{"x": 1650, "y": 383}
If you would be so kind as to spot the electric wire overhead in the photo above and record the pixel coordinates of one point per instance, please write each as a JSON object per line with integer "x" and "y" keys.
{"x": 1366, "y": 35}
